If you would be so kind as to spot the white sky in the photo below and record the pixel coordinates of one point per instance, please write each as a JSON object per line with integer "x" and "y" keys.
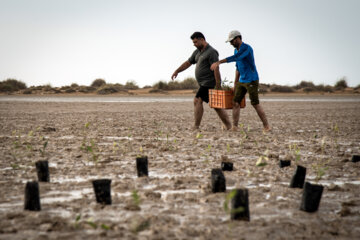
{"x": 76, "y": 41}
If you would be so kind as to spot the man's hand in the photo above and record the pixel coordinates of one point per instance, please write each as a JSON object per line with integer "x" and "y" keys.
{"x": 174, "y": 75}
{"x": 218, "y": 86}
{"x": 214, "y": 66}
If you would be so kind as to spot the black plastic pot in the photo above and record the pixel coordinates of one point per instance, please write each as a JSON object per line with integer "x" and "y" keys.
{"x": 284, "y": 163}
{"x": 142, "y": 166}
{"x": 218, "y": 182}
{"x": 227, "y": 166}
{"x": 355, "y": 158}
{"x": 240, "y": 205}
{"x": 298, "y": 179}
{"x": 311, "y": 197}
{"x": 32, "y": 196}
{"x": 102, "y": 189}
{"x": 42, "y": 169}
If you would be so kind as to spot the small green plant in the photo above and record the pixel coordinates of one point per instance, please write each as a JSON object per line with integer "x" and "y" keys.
{"x": 295, "y": 150}
{"x": 320, "y": 169}
{"x": 15, "y": 166}
{"x": 89, "y": 145}
{"x": 135, "y": 198}
{"x": 228, "y": 199}
{"x": 77, "y": 220}
{"x": 323, "y": 145}
{"x": 139, "y": 226}
{"x": 262, "y": 159}
{"x": 199, "y": 136}
{"x": 44, "y": 145}
{"x": 91, "y": 223}
{"x": 226, "y": 85}
{"x": 228, "y": 147}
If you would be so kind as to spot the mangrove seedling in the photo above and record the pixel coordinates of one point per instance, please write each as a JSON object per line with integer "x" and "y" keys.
{"x": 262, "y": 159}
{"x": 135, "y": 198}
{"x": 227, "y": 201}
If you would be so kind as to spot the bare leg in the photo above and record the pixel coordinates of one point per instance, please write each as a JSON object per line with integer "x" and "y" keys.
{"x": 261, "y": 113}
{"x": 198, "y": 111}
{"x": 224, "y": 117}
{"x": 236, "y": 115}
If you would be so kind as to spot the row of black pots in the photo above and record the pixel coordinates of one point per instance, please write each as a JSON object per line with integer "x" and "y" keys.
{"x": 102, "y": 187}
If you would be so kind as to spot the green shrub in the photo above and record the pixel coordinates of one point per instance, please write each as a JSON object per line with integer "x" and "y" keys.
{"x": 86, "y": 89}
{"x": 147, "y": 86}
{"x": 47, "y": 88}
{"x": 309, "y": 89}
{"x": 98, "y": 83}
{"x": 70, "y": 90}
{"x": 11, "y": 85}
{"x": 74, "y": 85}
{"x": 282, "y": 89}
{"x": 341, "y": 84}
{"x": 111, "y": 88}
{"x": 323, "y": 88}
{"x": 188, "y": 83}
{"x": 131, "y": 85}
{"x": 305, "y": 84}
{"x": 27, "y": 91}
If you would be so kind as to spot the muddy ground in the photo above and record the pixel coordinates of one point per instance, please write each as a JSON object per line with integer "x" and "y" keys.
{"x": 175, "y": 201}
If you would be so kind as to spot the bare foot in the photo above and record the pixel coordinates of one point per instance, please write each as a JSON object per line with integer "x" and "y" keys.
{"x": 234, "y": 129}
{"x": 195, "y": 128}
{"x": 225, "y": 128}
{"x": 267, "y": 129}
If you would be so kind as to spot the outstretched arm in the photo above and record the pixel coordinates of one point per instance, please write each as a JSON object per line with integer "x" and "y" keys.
{"x": 239, "y": 55}
{"x": 216, "y": 64}
{"x": 183, "y": 67}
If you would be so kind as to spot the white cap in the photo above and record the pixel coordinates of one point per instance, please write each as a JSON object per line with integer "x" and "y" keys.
{"x": 233, "y": 34}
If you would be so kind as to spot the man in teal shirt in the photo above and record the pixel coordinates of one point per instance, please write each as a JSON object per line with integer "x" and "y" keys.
{"x": 246, "y": 77}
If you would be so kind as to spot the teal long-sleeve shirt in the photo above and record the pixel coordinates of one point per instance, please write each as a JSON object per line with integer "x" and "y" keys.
{"x": 245, "y": 63}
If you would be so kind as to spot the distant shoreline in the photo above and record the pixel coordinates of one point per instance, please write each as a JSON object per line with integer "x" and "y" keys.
{"x": 170, "y": 93}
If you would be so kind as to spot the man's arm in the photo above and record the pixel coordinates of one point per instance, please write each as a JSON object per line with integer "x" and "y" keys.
{"x": 183, "y": 67}
{"x": 239, "y": 55}
{"x": 216, "y": 64}
{"x": 237, "y": 77}
{"x": 217, "y": 78}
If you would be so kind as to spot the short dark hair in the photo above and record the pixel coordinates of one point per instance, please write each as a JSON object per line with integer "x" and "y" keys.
{"x": 239, "y": 37}
{"x": 197, "y": 35}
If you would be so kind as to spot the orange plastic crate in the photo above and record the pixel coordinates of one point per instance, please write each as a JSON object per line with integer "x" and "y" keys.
{"x": 223, "y": 99}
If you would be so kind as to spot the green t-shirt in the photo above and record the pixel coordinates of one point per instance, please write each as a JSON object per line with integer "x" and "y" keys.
{"x": 203, "y": 61}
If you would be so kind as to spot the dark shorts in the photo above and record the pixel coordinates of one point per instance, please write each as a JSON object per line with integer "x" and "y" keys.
{"x": 251, "y": 88}
{"x": 203, "y": 93}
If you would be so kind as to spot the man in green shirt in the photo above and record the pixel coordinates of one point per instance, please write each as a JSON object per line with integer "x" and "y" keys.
{"x": 203, "y": 57}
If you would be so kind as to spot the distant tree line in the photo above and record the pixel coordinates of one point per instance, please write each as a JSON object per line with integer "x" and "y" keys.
{"x": 100, "y": 86}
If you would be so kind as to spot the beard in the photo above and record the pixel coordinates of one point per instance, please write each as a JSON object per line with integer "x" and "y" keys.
{"x": 200, "y": 48}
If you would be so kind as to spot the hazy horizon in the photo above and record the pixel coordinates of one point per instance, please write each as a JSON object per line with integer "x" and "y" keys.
{"x": 64, "y": 42}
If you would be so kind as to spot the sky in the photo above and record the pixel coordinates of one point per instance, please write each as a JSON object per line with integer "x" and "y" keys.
{"x": 60, "y": 42}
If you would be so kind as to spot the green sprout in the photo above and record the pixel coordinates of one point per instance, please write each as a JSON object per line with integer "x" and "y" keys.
{"x": 320, "y": 168}
{"x": 228, "y": 147}
{"x": 296, "y": 151}
{"x": 199, "y": 136}
{"x": 262, "y": 159}
{"x": 226, "y": 84}
{"x": 228, "y": 199}
{"x": 44, "y": 145}
{"x": 136, "y": 198}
